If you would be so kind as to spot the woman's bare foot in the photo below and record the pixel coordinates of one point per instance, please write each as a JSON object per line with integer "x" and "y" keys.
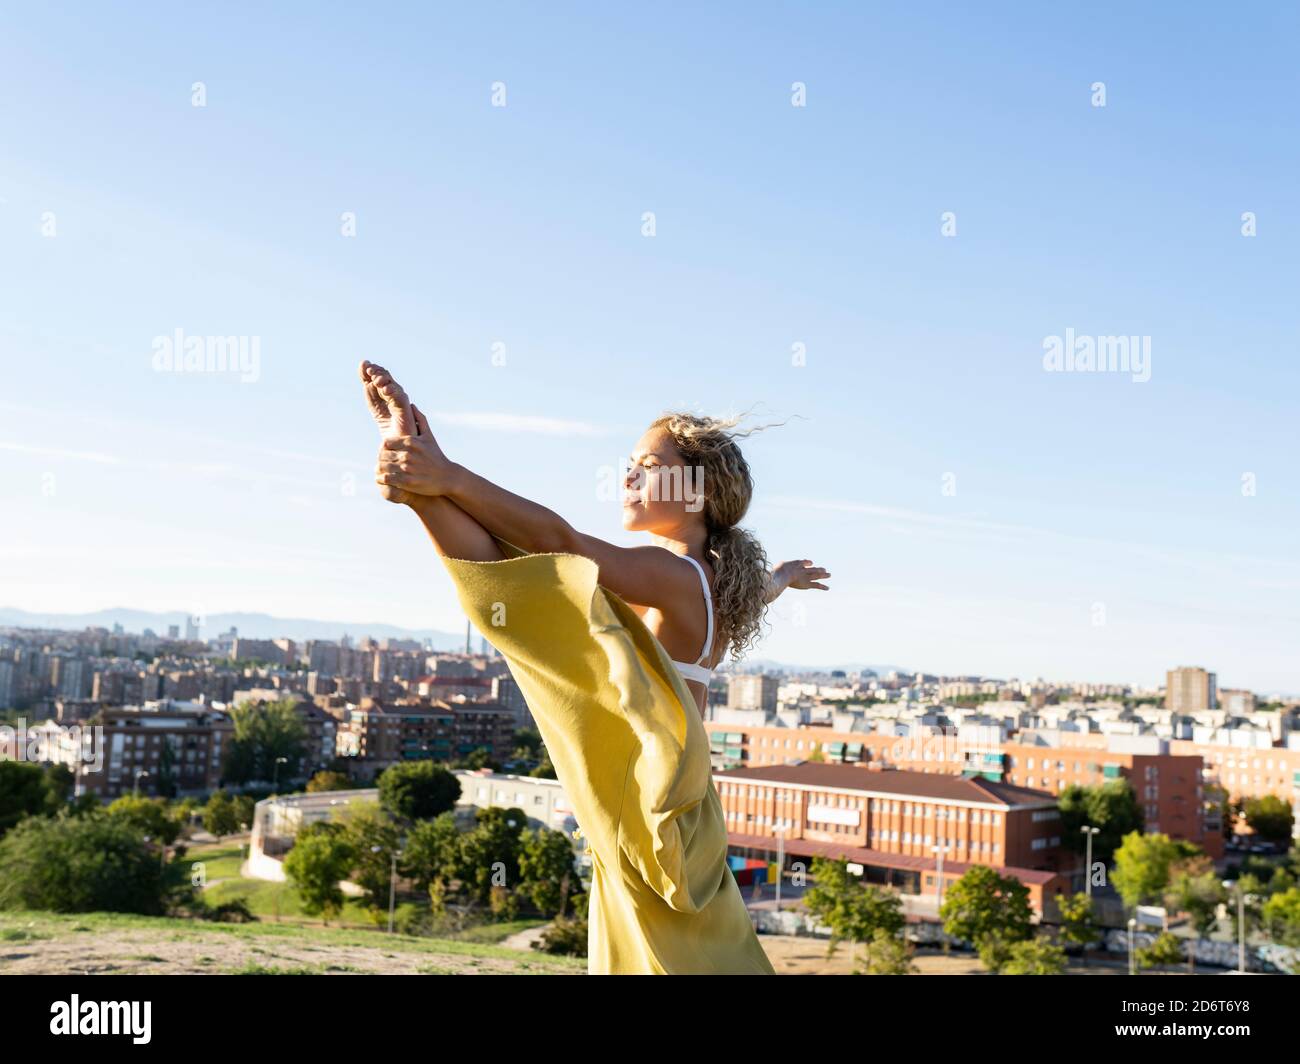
{"x": 387, "y": 401}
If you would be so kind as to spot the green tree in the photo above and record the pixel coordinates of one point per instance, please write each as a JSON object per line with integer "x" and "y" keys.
{"x": 1034, "y": 956}
{"x": 60, "y": 785}
{"x": 321, "y": 857}
{"x": 983, "y": 903}
{"x": 1143, "y": 863}
{"x": 1195, "y": 889}
{"x": 432, "y": 851}
{"x": 1078, "y": 922}
{"x": 328, "y": 781}
{"x": 545, "y": 770}
{"x": 81, "y": 864}
{"x": 165, "y": 783}
{"x": 489, "y": 852}
{"x": 1269, "y": 817}
{"x": 23, "y": 792}
{"x": 265, "y": 732}
{"x": 546, "y": 869}
{"x": 852, "y": 909}
{"x": 220, "y": 816}
{"x": 1281, "y": 917}
{"x": 152, "y": 817}
{"x": 418, "y": 790}
{"x": 1165, "y": 951}
{"x": 1112, "y": 807}
{"x": 994, "y": 950}
{"x": 503, "y": 903}
{"x": 889, "y": 954}
{"x": 479, "y": 757}
{"x": 245, "y": 809}
{"x": 374, "y": 838}
{"x": 528, "y": 744}
{"x": 566, "y": 936}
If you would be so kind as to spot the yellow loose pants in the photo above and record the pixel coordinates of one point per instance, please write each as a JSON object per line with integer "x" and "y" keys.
{"x": 632, "y": 755}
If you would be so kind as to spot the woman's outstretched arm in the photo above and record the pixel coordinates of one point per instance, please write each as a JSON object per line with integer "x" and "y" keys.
{"x": 647, "y": 576}
{"x": 801, "y": 574}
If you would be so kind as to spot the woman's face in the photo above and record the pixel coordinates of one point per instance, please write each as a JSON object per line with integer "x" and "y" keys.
{"x": 661, "y": 492}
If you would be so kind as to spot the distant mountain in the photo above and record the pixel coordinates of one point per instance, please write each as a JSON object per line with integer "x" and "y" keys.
{"x": 249, "y": 625}
{"x": 852, "y": 669}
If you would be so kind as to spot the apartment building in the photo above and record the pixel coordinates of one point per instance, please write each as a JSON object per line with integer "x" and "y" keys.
{"x": 890, "y": 823}
{"x": 380, "y": 734}
{"x": 1247, "y": 771}
{"x": 268, "y": 650}
{"x": 151, "y": 747}
{"x": 483, "y": 724}
{"x": 1190, "y": 690}
{"x": 1168, "y": 782}
{"x": 752, "y": 691}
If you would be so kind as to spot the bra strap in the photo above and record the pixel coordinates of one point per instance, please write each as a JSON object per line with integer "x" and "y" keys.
{"x": 708, "y": 605}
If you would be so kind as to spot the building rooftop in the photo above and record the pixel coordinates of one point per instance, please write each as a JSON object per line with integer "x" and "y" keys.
{"x": 891, "y": 781}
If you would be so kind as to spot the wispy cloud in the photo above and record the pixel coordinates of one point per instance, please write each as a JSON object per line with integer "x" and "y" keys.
{"x": 54, "y": 452}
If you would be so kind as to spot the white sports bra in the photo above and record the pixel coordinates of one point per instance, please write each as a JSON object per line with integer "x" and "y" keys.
{"x": 697, "y": 671}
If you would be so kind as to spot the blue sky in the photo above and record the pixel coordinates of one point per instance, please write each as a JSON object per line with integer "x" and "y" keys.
{"x": 775, "y": 225}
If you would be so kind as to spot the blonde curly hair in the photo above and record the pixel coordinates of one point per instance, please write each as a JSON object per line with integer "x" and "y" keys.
{"x": 739, "y": 564}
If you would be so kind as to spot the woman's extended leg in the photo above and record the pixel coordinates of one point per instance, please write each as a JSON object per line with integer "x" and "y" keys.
{"x": 454, "y": 533}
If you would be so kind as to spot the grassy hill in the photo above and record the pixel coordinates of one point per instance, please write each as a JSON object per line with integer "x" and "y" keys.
{"x": 285, "y": 941}
{"x": 93, "y": 943}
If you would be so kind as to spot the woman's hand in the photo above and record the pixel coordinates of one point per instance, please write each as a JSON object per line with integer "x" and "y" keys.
{"x": 414, "y": 465}
{"x": 800, "y": 575}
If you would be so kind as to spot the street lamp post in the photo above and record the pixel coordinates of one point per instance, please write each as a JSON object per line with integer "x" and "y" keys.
{"x": 392, "y": 883}
{"x": 1241, "y": 929}
{"x": 1088, "y": 832}
{"x": 1231, "y": 884}
{"x": 780, "y": 866}
{"x": 940, "y": 850}
{"x": 138, "y": 774}
{"x": 392, "y": 890}
{"x": 1132, "y": 925}
{"x": 275, "y": 784}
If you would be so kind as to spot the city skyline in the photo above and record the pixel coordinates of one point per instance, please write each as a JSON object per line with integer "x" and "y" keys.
{"x": 169, "y": 624}
{"x": 982, "y": 514}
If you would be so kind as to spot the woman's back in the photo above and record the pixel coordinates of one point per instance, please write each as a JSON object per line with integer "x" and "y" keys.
{"x": 697, "y": 672}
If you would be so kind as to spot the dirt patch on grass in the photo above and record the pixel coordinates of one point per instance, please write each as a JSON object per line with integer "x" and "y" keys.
{"x": 133, "y": 952}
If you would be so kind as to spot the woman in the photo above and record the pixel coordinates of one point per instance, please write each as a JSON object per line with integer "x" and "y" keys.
{"x": 604, "y": 674}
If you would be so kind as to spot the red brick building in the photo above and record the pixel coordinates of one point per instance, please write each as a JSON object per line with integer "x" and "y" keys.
{"x": 891, "y": 821}
{"x": 1165, "y": 776}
